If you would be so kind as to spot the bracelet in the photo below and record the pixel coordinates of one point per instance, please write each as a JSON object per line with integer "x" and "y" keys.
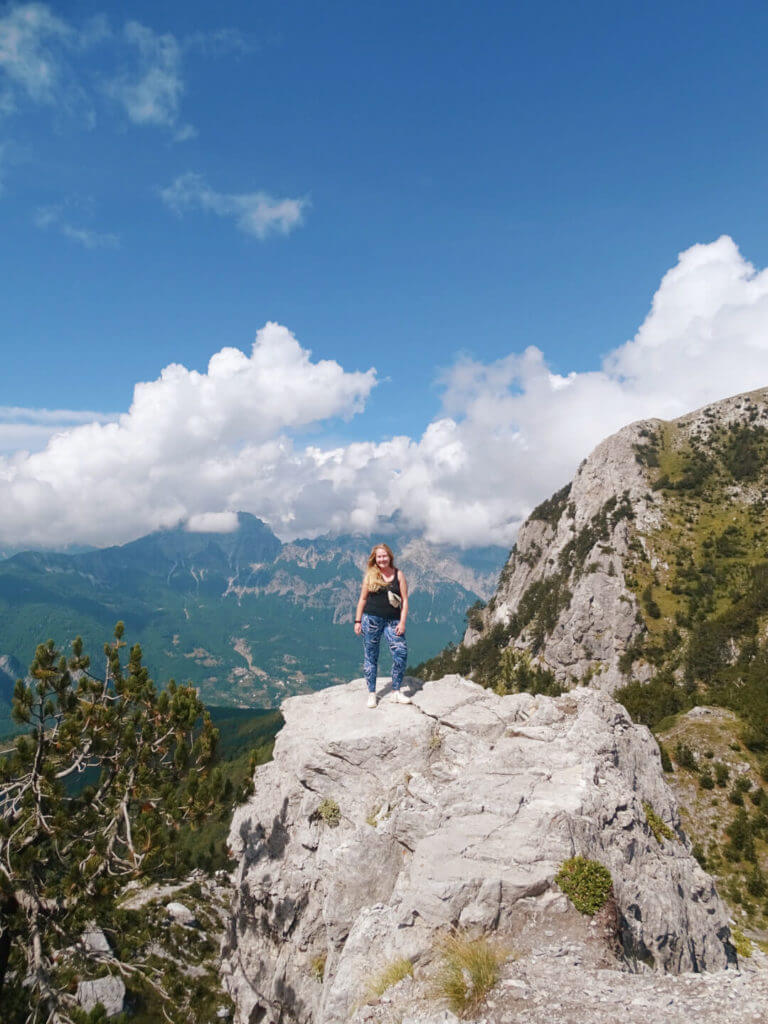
{"x": 358, "y": 621}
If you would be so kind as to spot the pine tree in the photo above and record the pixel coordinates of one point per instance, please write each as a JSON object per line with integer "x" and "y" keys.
{"x": 91, "y": 797}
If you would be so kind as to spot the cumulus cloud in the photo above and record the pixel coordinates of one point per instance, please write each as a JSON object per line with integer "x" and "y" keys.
{"x": 509, "y": 434}
{"x": 52, "y": 217}
{"x": 191, "y": 444}
{"x": 255, "y": 213}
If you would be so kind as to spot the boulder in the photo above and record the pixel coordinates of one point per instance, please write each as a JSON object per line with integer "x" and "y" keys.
{"x": 109, "y": 991}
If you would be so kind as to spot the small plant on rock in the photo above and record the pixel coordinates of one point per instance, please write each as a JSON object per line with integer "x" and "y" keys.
{"x": 469, "y": 968}
{"x": 742, "y": 943}
{"x": 586, "y": 883}
{"x": 435, "y": 741}
{"x": 659, "y": 828}
{"x": 330, "y": 812}
{"x": 387, "y": 977}
{"x": 317, "y": 966}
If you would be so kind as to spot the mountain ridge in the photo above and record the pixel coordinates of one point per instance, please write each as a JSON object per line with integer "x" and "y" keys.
{"x": 245, "y": 617}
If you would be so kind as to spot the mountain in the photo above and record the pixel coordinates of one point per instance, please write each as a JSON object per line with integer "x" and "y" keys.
{"x": 243, "y": 616}
{"x": 10, "y": 671}
{"x": 651, "y": 565}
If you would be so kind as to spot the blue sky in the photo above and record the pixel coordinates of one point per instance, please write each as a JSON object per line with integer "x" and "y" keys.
{"x": 427, "y": 189}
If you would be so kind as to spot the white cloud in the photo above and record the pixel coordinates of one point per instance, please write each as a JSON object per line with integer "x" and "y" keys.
{"x": 511, "y": 431}
{"x": 255, "y": 213}
{"x": 31, "y": 429}
{"x": 212, "y": 522}
{"x": 52, "y": 217}
{"x": 189, "y": 443}
{"x": 30, "y": 40}
{"x": 221, "y": 42}
{"x": 151, "y": 93}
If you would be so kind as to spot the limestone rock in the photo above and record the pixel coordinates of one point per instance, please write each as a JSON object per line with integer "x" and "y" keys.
{"x": 181, "y": 914}
{"x": 109, "y": 991}
{"x": 455, "y": 811}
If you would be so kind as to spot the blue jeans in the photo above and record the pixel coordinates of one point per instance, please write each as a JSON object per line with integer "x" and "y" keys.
{"x": 373, "y": 626}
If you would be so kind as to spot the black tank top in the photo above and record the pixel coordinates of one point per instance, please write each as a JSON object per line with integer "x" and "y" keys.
{"x": 377, "y": 602}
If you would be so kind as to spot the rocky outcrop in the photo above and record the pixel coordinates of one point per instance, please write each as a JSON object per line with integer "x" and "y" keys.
{"x": 373, "y": 832}
{"x": 568, "y": 568}
{"x": 571, "y": 592}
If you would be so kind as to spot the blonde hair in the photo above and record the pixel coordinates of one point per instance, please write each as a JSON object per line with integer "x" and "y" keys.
{"x": 373, "y": 579}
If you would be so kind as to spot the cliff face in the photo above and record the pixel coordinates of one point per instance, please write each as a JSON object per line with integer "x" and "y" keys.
{"x": 371, "y": 833}
{"x": 604, "y": 582}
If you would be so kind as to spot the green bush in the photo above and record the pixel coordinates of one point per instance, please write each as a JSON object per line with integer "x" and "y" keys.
{"x": 706, "y": 781}
{"x": 756, "y": 884}
{"x": 685, "y": 757}
{"x": 586, "y": 883}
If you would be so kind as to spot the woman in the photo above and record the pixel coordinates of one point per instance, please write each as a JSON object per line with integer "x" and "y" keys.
{"x": 383, "y": 608}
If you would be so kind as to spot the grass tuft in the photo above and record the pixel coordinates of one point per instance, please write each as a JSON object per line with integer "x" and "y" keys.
{"x": 389, "y": 976}
{"x": 469, "y": 968}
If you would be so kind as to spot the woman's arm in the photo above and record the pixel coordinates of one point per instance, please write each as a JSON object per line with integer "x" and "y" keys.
{"x": 400, "y": 627}
{"x": 359, "y": 609}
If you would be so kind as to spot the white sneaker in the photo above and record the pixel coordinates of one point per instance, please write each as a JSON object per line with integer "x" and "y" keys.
{"x": 398, "y": 697}
{"x": 371, "y": 700}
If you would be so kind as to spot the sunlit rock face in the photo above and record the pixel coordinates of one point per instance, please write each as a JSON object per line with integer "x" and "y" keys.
{"x": 372, "y": 832}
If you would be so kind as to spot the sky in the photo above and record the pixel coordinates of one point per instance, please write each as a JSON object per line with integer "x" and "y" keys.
{"x": 329, "y": 262}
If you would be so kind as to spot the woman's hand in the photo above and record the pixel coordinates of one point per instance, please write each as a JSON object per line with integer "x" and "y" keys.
{"x": 400, "y": 628}
{"x": 358, "y": 629}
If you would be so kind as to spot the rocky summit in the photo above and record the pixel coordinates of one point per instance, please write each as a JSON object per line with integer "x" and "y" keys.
{"x": 374, "y": 834}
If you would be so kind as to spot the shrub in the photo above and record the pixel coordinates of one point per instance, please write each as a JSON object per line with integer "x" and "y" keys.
{"x": 742, "y": 943}
{"x": 469, "y": 969}
{"x": 387, "y": 977}
{"x": 706, "y": 781}
{"x": 722, "y": 774}
{"x": 659, "y": 828}
{"x": 685, "y": 757}
{"x": 586, "y": 883}
{"x": 756, "y": 885}
{"x": 330, "y": 812}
